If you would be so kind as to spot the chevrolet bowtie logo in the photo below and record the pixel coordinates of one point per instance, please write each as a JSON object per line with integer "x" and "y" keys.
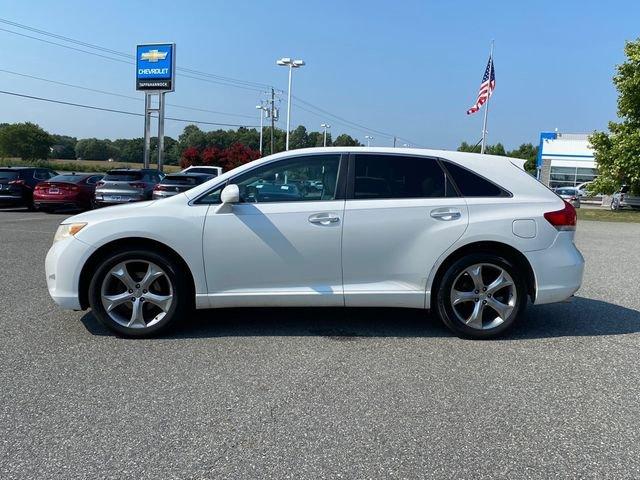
{"x": 153, "y": 56}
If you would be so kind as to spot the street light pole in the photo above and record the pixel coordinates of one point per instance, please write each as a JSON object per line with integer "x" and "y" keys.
{"x": 262, "y": 109}
{"x": 288, "y": 62}
{"x": 324, "y": 140}
{"x": 369, "y": 138}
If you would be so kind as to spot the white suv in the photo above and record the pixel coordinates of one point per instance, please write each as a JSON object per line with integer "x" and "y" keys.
{"x": 470, "y": 237}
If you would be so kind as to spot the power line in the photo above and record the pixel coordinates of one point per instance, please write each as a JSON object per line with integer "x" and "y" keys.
{"x": 123, "y": 54}
{"x": 123, "y": 112}
{"x": 202, "y": 76}
{"x": 114, "y": 94}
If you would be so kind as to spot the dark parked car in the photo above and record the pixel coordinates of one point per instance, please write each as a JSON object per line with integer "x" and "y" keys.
{"x": 17, "y": 185}
{"x": 70, "y": 190}
{"x": 126, "y": 185}
{"x": 177, "y": 183}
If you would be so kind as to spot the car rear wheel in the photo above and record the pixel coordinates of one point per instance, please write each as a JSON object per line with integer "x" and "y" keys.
{"x": 139, "y": 293}
{"x": 480, "y": 296}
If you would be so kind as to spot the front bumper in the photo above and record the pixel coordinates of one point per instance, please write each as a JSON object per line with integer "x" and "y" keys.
{"x": 558, "y": 270}
{"x": 63, "y": 266}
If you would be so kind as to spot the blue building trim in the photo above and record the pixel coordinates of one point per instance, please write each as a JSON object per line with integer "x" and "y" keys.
{"x": 566, "y": 155}
{"x": 544, "y": 136}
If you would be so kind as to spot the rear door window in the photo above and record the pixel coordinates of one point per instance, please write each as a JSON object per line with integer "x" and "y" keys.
{"x": 379, "y": 176}
{"x": 472, "y": 185}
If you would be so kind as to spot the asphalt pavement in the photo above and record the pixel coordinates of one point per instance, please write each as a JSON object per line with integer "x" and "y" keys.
{"x": 321, "y": 393}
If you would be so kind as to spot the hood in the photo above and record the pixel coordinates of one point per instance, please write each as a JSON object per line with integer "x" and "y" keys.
{"x": 114, "y": 211}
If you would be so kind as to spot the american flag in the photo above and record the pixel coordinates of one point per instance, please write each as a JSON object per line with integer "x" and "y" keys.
{"x": 487, "y": 87}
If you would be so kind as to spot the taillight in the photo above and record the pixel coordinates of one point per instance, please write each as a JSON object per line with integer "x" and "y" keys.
{"x": 99, "y": 184}
{"x": 73, "y": 188}
{"x": 564, "y": 219}
{"x": 16, "y": 182}
{"x": 159, "y": 187}
{"x": 139, "y": 185}
{"x": 41, "y": 186}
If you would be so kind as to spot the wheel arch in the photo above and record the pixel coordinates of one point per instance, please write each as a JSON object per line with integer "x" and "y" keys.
{"x": 113, "y": 246}
{"x": 503, "y": 249}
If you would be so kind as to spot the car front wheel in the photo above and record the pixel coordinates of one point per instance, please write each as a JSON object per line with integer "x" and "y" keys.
{"x": 480, "y": 296}
{"x": 138, "y": 293}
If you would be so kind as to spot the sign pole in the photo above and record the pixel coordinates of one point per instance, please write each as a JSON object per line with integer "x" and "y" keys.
{"x": 147, "y": 128}
{"x": 160, "y": 131}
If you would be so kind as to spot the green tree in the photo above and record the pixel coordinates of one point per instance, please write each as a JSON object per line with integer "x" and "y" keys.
{"x": 528, "y": 152}
{"x": 96, "y": 149}
{"x": 617, "y": 152}
{"x": 299, "y": 138}
{"x": 25, "y": 140}
{"x": 344, "y": 140}
{"x": 63, "y": 147}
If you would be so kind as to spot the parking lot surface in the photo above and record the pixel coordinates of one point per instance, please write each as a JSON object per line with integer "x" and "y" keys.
{"x": 321, "y": 393}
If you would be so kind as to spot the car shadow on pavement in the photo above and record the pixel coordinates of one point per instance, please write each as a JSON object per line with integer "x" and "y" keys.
{"x": 581, "y": 317}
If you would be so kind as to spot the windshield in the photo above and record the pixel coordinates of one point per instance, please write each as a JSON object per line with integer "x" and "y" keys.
{"x": 123, "y": 176}
{"x": 566, "y": 191}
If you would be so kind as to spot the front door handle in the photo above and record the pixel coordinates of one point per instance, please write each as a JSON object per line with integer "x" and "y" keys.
{"x": 446, "y": 214}
{"x": 324, "y": 219}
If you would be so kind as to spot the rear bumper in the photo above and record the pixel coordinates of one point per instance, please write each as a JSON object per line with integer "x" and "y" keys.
{"x": 58, "y": 204}
{"x": 12, "y": 200}
{"x": 558, "y": 270}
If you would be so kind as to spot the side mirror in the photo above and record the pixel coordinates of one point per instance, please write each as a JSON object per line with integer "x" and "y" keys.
{"x": 229, "y": 195}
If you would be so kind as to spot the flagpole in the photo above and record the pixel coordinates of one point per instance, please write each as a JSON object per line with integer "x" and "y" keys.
{"x": 486, "y": 107}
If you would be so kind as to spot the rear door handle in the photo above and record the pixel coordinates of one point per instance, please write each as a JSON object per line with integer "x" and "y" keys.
{"x": 324, "y": 219}
{"x": 446, "y": 214}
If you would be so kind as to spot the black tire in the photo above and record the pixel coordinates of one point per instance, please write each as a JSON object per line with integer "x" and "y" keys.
{"x": 443, "y": 304}
{"x": 181, "y": 304}
{"x": 615, "y": 205}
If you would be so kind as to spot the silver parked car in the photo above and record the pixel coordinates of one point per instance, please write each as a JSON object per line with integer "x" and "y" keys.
{"x": 177, "y": 183}
{"x": 622, "y": 199}
{"x": 570, "y": 194}
{"x": 126, "y": 185}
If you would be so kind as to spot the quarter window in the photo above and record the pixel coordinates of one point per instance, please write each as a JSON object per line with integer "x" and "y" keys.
{"x": 472, "y": 185}
{"x": 397, "y": 176}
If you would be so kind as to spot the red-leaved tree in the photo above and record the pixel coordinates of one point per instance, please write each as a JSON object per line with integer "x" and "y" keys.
{"x": 211, "y": 156}
{"x": 236, "y": 155}
{"x": 191, "y": 156}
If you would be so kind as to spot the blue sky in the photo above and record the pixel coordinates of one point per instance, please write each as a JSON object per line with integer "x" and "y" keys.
{"x": 405, "y": 67}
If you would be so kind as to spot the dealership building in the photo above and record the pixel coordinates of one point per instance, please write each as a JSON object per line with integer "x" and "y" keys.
{"x": 565, "y": 159}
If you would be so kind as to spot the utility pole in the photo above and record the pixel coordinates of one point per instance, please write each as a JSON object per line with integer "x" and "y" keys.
{"x": 263, "y": 110}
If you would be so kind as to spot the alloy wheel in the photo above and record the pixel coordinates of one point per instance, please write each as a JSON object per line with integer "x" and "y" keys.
{"x": 483, "y": 296}
{"x": 136, "y": 293}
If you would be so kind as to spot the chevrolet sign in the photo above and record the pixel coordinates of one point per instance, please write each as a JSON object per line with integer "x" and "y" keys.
{"x": 155, "y": 67}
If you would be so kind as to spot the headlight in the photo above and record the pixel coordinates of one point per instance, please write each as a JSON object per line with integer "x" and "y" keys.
{"x": 67, "y": 230}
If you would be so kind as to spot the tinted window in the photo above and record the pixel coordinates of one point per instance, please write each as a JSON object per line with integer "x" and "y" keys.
{"x": 308, "y": 178}
{"x": 396, "y": 176}
{"x": 123, "y": 176}
{"x": 181, "y": 180}
{"x": 41, "y": 174}
{"x": 67, "y": 178}
{"x": 208, "y": 171}
{"x": 8, "y": 174}
{"x": 472, "y": 185}
{"x": 93, "y": 180}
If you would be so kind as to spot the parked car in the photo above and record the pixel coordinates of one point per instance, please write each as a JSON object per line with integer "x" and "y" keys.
{"x": 570, "y": 194}
{"x": 622, "y": 199}
{"x": 203, "y": 169}
{"x": 452, "y": 232}
{"x": 17, "y": 185}
{"x": 126, "y": 185}
{"x": 69, "y": 190}
{"x": 178, "y": 182}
